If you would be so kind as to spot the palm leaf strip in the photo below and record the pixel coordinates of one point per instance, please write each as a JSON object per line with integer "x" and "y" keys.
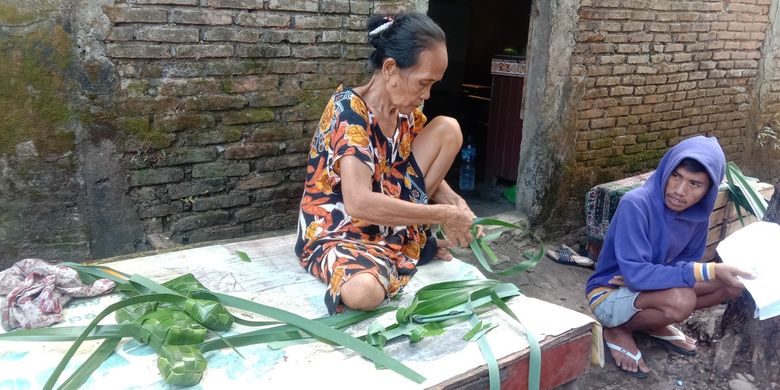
{"x": 484, "y": 254}
{"x": 80, "y": 376}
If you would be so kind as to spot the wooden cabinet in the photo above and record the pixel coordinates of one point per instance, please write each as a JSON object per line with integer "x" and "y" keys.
{"x": 505, "y": 127}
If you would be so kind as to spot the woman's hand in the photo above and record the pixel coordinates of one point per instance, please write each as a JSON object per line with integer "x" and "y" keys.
{"x": 463, "y": 206}
{"x": 457, "y": 226}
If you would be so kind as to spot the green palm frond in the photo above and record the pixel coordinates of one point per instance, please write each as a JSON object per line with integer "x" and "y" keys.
{"x": 743, "y": 194}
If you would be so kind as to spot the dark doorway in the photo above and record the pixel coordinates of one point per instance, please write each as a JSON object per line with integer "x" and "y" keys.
{"x": 477, "y": 31}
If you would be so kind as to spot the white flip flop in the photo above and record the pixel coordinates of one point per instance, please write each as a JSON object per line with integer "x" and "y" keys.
{"x": 666, "y": 341}
{"x": 635, "y": 357}
{"x": 568, "y": 256}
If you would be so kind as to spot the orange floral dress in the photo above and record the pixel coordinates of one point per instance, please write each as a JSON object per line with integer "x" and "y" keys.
{"x": 333, "y": 246}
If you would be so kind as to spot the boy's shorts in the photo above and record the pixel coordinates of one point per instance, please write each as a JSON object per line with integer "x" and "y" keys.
{"x": 617, "y": 308}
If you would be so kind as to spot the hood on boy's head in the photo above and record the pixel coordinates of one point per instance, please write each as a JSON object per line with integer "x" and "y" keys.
{"x": 706, "y": 151}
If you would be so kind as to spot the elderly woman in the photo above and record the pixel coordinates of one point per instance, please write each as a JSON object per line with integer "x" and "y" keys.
{"x": 375, "y": 166}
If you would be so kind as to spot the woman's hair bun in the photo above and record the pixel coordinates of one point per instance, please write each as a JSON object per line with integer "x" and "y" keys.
{"x": 373, "y": 24}
{"x": 376, "y": 21}
{"x": 401, "y": 37}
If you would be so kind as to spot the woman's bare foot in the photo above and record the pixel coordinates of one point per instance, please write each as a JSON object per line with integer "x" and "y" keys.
{"x": 443, "y": 250}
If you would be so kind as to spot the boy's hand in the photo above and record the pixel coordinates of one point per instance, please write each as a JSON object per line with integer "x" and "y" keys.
{"x": 617, "y": 280}
{"x": 728, "y": 274}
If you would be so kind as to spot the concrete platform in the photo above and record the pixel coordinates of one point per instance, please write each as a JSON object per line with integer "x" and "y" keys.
{"x": 273, "y": 277}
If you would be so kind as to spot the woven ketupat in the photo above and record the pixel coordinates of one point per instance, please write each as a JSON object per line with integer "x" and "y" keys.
{"x": 602, "y": 200}
{"x": 169, "y": 326}
{"x": 181, "y": 365}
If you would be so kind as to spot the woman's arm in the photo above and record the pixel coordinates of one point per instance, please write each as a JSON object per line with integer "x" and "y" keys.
{"x": 364, "y": 204}
{"x": 446, "y": 195}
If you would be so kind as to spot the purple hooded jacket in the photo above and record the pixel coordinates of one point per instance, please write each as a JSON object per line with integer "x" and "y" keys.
{"x": 651, "y": 246}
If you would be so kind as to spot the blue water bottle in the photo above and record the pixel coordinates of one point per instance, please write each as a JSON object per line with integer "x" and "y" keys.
{"x": 467, "y": 169}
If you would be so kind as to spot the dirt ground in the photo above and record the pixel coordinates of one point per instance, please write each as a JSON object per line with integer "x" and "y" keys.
{"x": 565, "y": 285}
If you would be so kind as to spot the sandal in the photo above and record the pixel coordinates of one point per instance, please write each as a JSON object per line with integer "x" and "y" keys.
{"x": 639, "y": 374}
{"x": 568, "y": 256}
{"x": 666, "y": 341}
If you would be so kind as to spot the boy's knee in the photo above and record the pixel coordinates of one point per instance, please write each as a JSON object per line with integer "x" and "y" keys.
{"x": 732, "y": 292}
{"x": 681, "y": 303}
{"x": 362, "y": 292}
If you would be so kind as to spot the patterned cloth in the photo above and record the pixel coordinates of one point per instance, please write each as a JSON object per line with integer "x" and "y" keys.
{"x": 602, "y": 200}
{"x": 37, "y": 290}
{"x": 331, "y": 244}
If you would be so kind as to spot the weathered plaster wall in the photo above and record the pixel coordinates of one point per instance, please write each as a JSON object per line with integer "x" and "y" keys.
{"x": 40, "y": 212}
{"x": 551, "y": 92}
{"x": 762, "y": 155}
{"x": 188, "y": 118}
{"x": 623, "y": 81}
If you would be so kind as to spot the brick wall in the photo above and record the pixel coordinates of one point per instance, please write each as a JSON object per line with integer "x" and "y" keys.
{"x": 656, "y": 72}
{"x": 217, "y": 102}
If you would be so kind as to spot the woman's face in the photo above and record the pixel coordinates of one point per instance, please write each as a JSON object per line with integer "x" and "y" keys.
{"x": 409, "y": 87}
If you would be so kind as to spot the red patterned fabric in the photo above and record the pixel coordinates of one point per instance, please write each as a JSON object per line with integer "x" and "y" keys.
{"x": 37, "y": 290}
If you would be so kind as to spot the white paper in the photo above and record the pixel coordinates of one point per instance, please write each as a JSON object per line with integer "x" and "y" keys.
{"x": 756, "y": 248}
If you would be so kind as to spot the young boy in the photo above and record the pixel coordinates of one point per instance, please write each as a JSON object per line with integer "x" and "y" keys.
{"x": 647, "y": 276}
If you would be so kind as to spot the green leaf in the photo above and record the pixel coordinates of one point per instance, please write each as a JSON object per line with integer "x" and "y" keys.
{"x": 375, "y": 336}
{"x": 443, "y": 316}
{"x": 485, "y": 255}
{"x": 477, "y": 249}
{"x": 290, "y": 335}
{"x": 476, "y": 333}
{"x": 70, "y": 333}
{"x": 98, "y": 271}
{"x": 491, "y": 256}
{"x": 243, "y": 256}
{"x": 80, "y": 376}
{"x": 494, "y": 375}
{"x": 322, "y": 331}
{"x": 743, "y": 194}
{"x": 524, "y": 265}
{"x": 495, "y": 222}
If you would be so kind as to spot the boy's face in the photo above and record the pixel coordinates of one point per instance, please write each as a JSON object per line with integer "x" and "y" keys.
{"x": 685, "y": 188}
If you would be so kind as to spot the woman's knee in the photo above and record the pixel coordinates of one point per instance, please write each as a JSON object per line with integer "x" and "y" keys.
{"x": 362, "y": 292}
{"x": 447, "y": 129}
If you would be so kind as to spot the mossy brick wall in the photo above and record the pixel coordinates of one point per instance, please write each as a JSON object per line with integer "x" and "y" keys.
{"x": 217, "y": 101}
{"x": 656, "y": 72}
{"x": 119, "y": 119}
